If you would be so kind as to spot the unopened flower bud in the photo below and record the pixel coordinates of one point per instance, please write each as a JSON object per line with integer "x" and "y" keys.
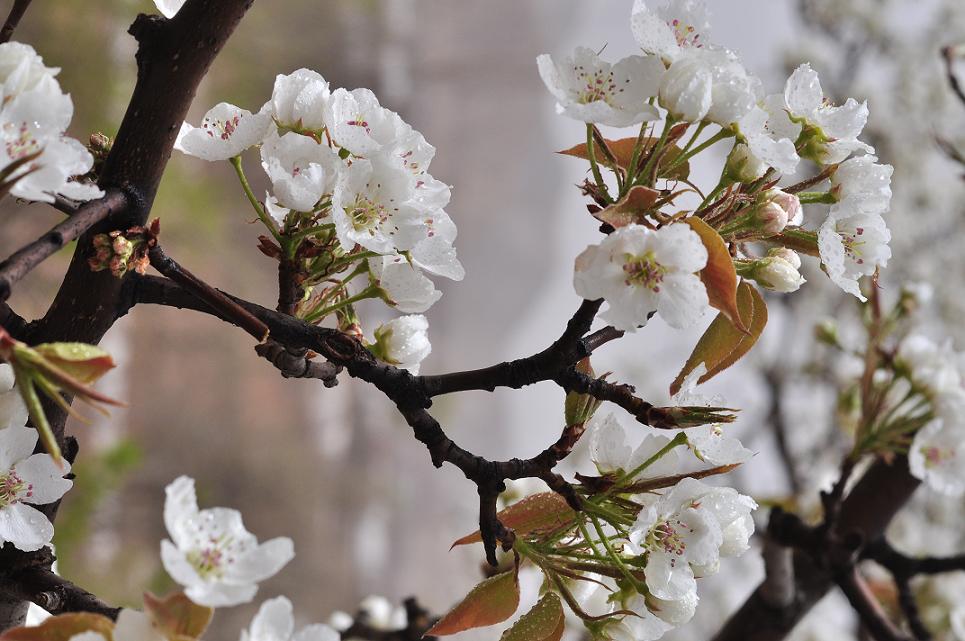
{"x": 778, "y": 274}
{"x": 772, "y": 218}
{"x": 743, "y": 166}
{"x": 403, "y": 342}
{"x": 789, "y": 255}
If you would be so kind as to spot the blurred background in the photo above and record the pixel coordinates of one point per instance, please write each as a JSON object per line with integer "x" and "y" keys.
{"x": 337, "y": 469}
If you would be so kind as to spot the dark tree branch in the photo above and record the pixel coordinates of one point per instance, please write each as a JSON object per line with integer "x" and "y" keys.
{"x": 948, "y": 54}
{"x": 873, "y": 618}
{"x": 777, "y": 590}
{"x": 26, "y": 258}
{"x": 543, "y": 366}
{"x": 226, "y": 307}
{"x": 54, "y": 593}
{"x": 619, "y": 394}
{"x": 418, "y": 622}
{"x": 13, "y": 19}
{"x": 296, "y": 364}
{"x": 902, "y": 565}
{"x": 15, "y": 325}
{"x": 172, "y": 58}
{"x": 864, "y": 514}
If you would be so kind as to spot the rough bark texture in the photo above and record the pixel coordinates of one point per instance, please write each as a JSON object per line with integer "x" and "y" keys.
{"x": 173, "y": 56}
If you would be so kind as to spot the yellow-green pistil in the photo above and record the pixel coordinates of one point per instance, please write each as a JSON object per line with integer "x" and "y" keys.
{"x": 644, "y": 271}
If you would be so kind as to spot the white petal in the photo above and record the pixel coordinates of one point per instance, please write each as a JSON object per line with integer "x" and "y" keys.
{"x": 683, "y": 300}
{"x": 133, "y": 625}
{"x": 169, "y": 8}
{"x": 46, "y": 477}
{"x": 25, "y": 527}
{"x": 274, "y": 621}
{"x": 316, "y": 632}
{"x": 221, "y": 595}
{"x": 180, "y": 506}
{"x": 263, "y": 561}
{"x": 177, "y": 566}
{"x": 669, "y": 576}
{"x": 803, "y": 93}
{"x": 16, "y": 444}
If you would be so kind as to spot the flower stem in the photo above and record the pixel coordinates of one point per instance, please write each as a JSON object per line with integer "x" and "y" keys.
{"x": 594, "y": 167}
{"x": 369, "y": 292}
{"x": 262, "y": 215}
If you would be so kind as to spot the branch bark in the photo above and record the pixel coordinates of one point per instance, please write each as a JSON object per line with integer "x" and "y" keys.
{"x": 13, "y": 19}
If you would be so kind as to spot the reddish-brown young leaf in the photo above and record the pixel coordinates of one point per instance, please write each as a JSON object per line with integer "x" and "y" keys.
{"x": 719, "y": 276}
{"x": 622, "y": 150}
{"x": 543, "y": 511}
{"x": 62, "y": 628}
{"x": 491, "y": 602}
{"x": 722, "y": 344}
{"x": 544, "y": 622}
{"x": 177, "y": 615}
{"x": 629, "y": 209}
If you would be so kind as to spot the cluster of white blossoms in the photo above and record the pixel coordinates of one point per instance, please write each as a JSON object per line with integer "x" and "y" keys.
{"x": 358, "y": 175}
{"x": 937, "y": 371}
{"x": 683, "y": 79}
{"x": 677, "y": 537}
{"x": 38, "y": 161}
{"x": 26, "y": 479}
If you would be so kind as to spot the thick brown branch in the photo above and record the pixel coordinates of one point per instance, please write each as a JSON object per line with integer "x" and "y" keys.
{"x": 26, "y": 258}
{"x": 13, "y": 19}
{"x": 54, "y": 593}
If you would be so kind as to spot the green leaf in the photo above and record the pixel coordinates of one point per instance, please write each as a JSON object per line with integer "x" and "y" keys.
{"x": 579, "y": 408}
{"x": 722, "y": 344}
{"x": 491, "y": 602}
{"x": 84, "y": 362}
{"x": 177, "y": 615}
{"x": 545, "y": 622}
{"x": 719, "y": 276}
{"x": 545, "y": 511}
{"x": 62, "y": 628}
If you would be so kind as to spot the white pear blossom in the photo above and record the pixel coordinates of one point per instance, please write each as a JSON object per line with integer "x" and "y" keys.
{"x": 27, "y": 479}
{"x": 300, "y": 100}
{"x": 300, "y": 169}
{"x": 853, "y": 247}
{"x": 675, "y": 532}
{"x": 594, "y": 598}
{"x": 21, "y": 69}
{"x": 685, "y": 531}
{"x": 638, "y": 271}
{"x": 764, "y": 146}
{"x": 372, "y": 205}
{"x": 831, "y": 132}
{"x": 357, "y": 122}
{"x": 169, "y": 8}
{"x": 403, "y": 285}
{"x": 670, "y": 31}
{"x": 592, "y": 90}
{"x": 403, "y": 342}
{"x": 933, "y": 365}
{"x": 710, "y": 443}
{"x": 13, "y": 411}
{"x": 936, "y": 456}
{"x": 611, "y": 453}
{"x": 861, "y": 186}
{"x": 686, "y": 90}
{"x": 275, "y": 622}
{"x": 32, "y": 123}
{"x": 225, "y": 132}
{"x": 211, "y": 553}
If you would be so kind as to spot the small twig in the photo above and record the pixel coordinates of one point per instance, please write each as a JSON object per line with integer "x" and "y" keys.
{"x": 874, "y": 619}
{"x": 617, "y": 393}
{"x": 602, "y": 337}
{"x": 418, "y": 622}
{"x": 26, "y": 258}
{"x": 906, "y": 599}
{"x": 295, "y": 363}
{"x": 239, "y": 315}
{"x": 949, "y": 54}
{"x": 13, "y": 19}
